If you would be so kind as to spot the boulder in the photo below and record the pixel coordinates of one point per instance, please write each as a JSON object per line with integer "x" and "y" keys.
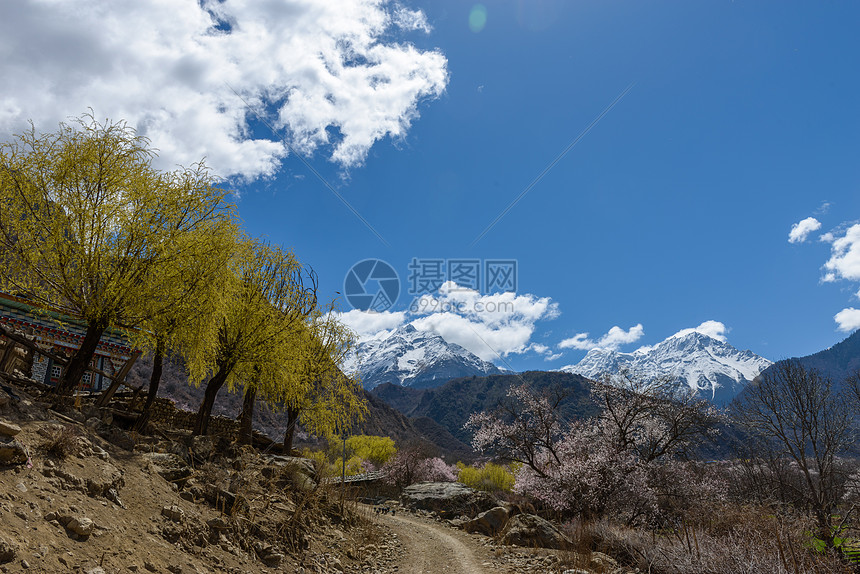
{"x": 8, "y": 429}
{"x": 490, "y": 522}
{"x": 202, "y": 447}
{"x": 8, "y": 550}
{"x": 81, "y": 526}
{"x": 104, "y": 478}
{"x": 169, "y": 466}
{"x": 533, "y": 531}
{"x": 12, "y": 451}
{"x": 600, "y": 562}
{"x": 273, "y": 560}
{"x": 224, "y": 500}
{"x": 173, "y": 513}
{"x": 219, "y": 524}
{"x": 302, "y": 472}
{"x": 447, "y": 499}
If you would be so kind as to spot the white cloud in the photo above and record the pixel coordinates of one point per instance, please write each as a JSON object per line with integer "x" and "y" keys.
{"x": 844, "y": 262}
{"x": 335, "y": 74}
{"x": 490, "y": 326}
{"x": 411, "y": 19}
{"x": 579, "y": 341}
{"x": 539, "y": 348}
{"x": 848, "y": 319}
{"x": 801, "y": 230}
{"x": 613, "y": 339}
{"x": 713, "y": 329}
{"x": 370, "y": 324}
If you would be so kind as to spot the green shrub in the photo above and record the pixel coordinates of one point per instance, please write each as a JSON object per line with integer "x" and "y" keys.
{"x": 377, "y": 450}
{"x": 490, "y": 477}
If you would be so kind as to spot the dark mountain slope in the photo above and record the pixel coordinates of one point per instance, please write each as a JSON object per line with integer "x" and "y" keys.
{"x": 381, "y": 420}
{"x": 451, "y": 404}
{"x": 839, "y": 362}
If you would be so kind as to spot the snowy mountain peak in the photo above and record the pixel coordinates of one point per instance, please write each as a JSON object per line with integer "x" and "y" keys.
{"x": 413, "y": 358}
{"x": 707, "y": 365}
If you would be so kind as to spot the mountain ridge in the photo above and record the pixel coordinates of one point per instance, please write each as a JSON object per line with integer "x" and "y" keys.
{"x": 838, "y": 362}
{"x": 451, "y": 404}
{"x": 411, "y": 358}
{"x": 709, "y": 366}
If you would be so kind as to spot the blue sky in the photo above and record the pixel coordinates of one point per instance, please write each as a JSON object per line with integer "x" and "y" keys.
{"x": 738, "y": 120}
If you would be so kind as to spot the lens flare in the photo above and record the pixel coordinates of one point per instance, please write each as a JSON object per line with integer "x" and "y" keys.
{"x": 478, "y": 18}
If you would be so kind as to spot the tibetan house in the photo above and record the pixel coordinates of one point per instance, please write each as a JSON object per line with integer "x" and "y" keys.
{"x": 57, "y": 336}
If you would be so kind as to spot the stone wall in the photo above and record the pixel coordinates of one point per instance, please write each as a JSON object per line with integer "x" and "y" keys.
{"x": 165, "y": 413}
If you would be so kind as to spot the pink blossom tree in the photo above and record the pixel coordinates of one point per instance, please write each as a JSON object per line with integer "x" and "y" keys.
{"x": 413, "y": 464}
{"x": 609, "y": 462}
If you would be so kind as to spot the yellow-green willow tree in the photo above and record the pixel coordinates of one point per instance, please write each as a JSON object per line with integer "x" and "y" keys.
{"x": 89, "y": 227}
{"x": 188, "y": 329}
{"x": 269, "y": 294}
{"x": 316, "y": 392}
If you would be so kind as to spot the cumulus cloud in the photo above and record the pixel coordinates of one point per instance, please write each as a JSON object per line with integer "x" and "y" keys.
{"x": 844, "y": 262}
{"x": 544, "y": 350}
{"x": 848, "y": 319}
{"x": 801, "y": 230}
{"x": 713, "y": 329}
{"x": 491, "y": 326}
{"x": 613, "y": 339}
{"x": 338, "y": 74}
{"x": 411, "y": 19}
{"x": 372, "y": 324}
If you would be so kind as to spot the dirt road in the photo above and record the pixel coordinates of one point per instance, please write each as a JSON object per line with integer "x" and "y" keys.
{"x": 432, "y": 548}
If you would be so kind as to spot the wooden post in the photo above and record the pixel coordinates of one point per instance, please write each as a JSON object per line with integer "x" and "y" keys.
{"x": 7, "y": 354}
{"x": 117, "y": 380}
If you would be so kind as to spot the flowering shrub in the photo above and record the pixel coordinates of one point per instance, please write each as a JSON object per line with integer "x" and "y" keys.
{"x": 437, "y": 470}
{"x": 617, "y": 461}
{"x": 411, "y": 465}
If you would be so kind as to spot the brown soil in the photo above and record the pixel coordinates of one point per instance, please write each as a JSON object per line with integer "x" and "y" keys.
{"x": 144, "y": 523}
{"x": 431, "y": 548}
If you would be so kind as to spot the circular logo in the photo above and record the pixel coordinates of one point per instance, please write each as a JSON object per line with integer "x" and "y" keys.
{"x": 371, "y": 285}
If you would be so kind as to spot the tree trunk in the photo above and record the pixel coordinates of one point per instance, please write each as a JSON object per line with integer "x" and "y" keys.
{"x": 201, "y": 425}
{"x": 245, "y": 418}
{"x": 81, "y": 360}
{"x": 154, "y": 382}
{"x": 292, "y": 419}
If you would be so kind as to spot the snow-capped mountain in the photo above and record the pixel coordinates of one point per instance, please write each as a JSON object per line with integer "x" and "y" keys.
{"x": 712, "y": 367}
{"x": 412, "y": 358}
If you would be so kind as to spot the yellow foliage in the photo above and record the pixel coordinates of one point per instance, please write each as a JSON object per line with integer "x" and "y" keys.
{"x": 374, "y": 449}
{"x": 333, "y": 466}
{"x": 490, "y": 477}
{"x": 311, "y": 387}
{"x": 89, "y": 227}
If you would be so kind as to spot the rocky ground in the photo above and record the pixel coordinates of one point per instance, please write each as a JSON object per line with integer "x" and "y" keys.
{"x": 79, "y": 494}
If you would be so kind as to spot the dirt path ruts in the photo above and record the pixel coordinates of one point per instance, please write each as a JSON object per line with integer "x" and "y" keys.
{"x": 435, "y": 549}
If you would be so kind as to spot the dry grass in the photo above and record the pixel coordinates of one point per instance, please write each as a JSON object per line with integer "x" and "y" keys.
{"x": 61, "y": 441}
{"x": 756, "y": 543}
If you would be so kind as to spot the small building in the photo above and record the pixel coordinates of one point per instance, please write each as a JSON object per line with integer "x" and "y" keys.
{"x": 59, "y": 335}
